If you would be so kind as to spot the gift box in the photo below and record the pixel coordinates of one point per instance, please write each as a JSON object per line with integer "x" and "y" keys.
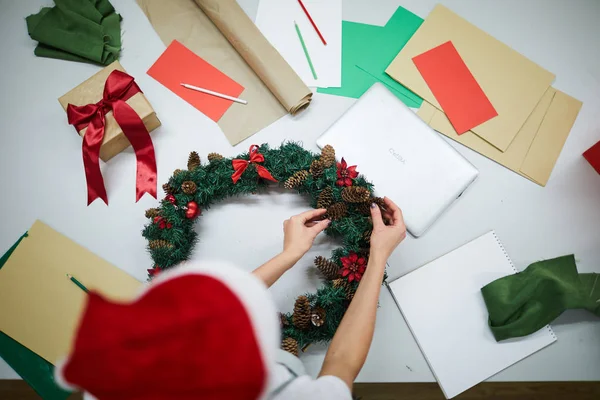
{"x": 91, "y": 92}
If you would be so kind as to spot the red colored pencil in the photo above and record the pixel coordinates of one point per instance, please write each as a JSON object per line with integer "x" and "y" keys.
{"x": 312, "y": 22}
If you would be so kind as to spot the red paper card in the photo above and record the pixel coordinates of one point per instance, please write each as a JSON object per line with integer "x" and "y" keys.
{"x": 178, "y": 65}
{"x": 592, "y": 155}
{"x": 454, "y": 87}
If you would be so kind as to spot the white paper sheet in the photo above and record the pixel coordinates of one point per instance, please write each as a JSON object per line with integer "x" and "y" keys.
{"x": 275, "y": 19}
{"x": 443, "y": 306}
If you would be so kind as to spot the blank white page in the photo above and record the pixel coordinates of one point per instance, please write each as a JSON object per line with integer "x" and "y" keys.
{"x": 443, "y": 306}
{"x": 275, "y": 19}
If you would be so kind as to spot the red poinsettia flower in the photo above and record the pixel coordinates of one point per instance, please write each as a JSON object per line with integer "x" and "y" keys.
{"x": 152, "y": 272}
{"x": 345, "y": 173}
{"x": 354, "y": 267}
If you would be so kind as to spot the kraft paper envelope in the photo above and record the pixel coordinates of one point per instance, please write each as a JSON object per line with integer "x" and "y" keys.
{"x": 39, "y": 306}
{"x": 513, "y": 84}
{"x": 222, "y": 34}
{"x": 535, "y": 149}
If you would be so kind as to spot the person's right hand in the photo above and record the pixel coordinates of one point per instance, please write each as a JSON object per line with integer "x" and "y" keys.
{"x": 385, "y": 238}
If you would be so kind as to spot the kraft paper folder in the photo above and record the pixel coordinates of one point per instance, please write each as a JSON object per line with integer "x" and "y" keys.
{"x": 513, "y": 83}
{"x": 536, "y": 147}
{"x": 39, "y": 306}
{"x": 222, "y": 34}
{"x": 444, "y": 309}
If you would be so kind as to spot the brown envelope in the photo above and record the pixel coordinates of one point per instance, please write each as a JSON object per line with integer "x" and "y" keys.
{"x": 39, "y": 306}
{"x": 220, "y": 32}
{"x": 537, "y": 145}
{"x": 513, "y": 83}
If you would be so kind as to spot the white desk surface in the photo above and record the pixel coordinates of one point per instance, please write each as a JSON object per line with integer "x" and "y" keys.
{"x": 41, "y": 174}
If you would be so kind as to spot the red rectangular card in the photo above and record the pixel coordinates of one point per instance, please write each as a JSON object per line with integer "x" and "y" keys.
{"x": 592, "y": 155}
{"x": 178, "y": 65}
{"x": 454, "y": 87}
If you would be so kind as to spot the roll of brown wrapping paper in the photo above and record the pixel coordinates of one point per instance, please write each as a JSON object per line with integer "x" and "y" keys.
{"x": 220, "y": 32}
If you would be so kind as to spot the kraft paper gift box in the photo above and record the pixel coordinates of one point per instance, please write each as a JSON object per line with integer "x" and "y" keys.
{"x": 91, "y": 91}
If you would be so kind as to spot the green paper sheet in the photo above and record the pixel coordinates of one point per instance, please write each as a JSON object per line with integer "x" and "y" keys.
{"x": 77, "y": 30}
{"x": 37, "y": 372}
{"x": 523, "y": 303}
{"x": 367, "y": 50}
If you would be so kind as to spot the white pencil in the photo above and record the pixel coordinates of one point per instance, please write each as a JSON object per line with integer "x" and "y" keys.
{"x": 217, "y": 94}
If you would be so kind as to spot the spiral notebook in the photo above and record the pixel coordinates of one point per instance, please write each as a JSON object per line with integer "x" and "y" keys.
{"x": 444, "y": 309}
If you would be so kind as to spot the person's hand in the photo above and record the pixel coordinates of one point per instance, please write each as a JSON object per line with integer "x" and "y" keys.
{"x": 385, "y": 238}
{"x": 300, "y": 231}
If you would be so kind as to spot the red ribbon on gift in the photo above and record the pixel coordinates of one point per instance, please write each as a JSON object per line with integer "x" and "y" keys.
{"x": 255, "y": 157}
{"x": 119, "y": 87}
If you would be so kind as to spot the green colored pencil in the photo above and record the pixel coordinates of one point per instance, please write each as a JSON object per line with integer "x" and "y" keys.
{"x": 310, "y": 64}
{"x": 75, "y": 281}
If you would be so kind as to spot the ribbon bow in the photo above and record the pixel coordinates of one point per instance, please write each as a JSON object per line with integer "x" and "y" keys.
{"x": 255, "y": 157}
{"x": 119, "y": 87}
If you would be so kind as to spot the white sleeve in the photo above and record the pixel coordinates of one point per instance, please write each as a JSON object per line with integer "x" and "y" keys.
{"x": 323, "y": 388}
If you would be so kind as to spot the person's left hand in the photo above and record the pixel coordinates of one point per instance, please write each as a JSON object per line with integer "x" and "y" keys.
{"x": 300, "y": 231}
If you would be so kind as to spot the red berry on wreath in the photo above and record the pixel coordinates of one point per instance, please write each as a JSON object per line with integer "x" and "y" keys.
{"x": 162, "y": 224}
{"x": 157, "y": 219}
{"x": 154, "y": 271}
{"x": 345, "y": 173}
{"x": 169, "y": 225}
{"x": 192, "y": 210}
{"x": 171, "y": 199}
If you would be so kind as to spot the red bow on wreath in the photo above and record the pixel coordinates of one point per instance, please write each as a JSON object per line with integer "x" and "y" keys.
{"x": 255, "y": 157}
{"x": 119, "y": 87}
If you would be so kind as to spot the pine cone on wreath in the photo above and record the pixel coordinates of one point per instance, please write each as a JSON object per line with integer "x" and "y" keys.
{"x": 325, "y": 198}
{"x": 159, "y": 244}
{"x": 283, "y": 321}
{"x": 168, "y": 189}
{"x": 213, "y": 157}
{"x": 317, "y": 168}
{"x": 152, "y": 212}
{"x": 317, "y": 317}
{"x": 188, "y": 187}
{"x": 348, "y": 290}
{"x": 367, "y": 235}
{"x": 379, "y": 201}
{"x": 337, "y": 211}
{"x": 290, "y": 345}
{"x": 329, "y": 269}
{"x": 364, "y": 208}
{"x": 296, "y": 180}
{"x": 356, "y": 194}
{"x": 328, "y": 156}
{"x": 177, "y": 172}
{"x": 302, "y": 314}
{"x": 193, "y": 161}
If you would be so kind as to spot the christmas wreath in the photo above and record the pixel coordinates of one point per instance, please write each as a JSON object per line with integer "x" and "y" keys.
{"x": 332, "y": 185}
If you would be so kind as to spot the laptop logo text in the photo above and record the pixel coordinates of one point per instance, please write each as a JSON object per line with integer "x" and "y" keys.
{"x": 397, "y": 156}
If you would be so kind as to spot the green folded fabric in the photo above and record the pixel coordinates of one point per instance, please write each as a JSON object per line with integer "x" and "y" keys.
{"x": 77, "y": 30}
{"x": 37, "y": 372}
{"x": 521, "y": 304}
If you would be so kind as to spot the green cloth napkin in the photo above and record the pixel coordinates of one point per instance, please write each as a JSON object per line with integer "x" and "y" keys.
{"x": 37, "y": 372}
{"x": 367, "y": 50}
{"x": 523, "y": 303}
{"x": 77, "y": 30}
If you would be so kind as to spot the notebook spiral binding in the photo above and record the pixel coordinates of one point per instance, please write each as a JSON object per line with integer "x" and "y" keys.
{"x": 516, "y": 272}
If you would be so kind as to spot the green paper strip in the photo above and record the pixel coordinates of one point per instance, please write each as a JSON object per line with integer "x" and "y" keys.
{"x": 524, "y": 303}
{"x": 37, "y": 372}
{"x": 367, "y": 50}
{"x": 310, "y": 64}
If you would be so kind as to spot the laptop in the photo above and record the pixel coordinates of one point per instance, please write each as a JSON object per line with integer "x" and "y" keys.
{"x": 404, "y": 158}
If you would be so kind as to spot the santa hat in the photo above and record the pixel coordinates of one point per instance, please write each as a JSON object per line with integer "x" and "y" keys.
{"x": 206, "y": 331}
